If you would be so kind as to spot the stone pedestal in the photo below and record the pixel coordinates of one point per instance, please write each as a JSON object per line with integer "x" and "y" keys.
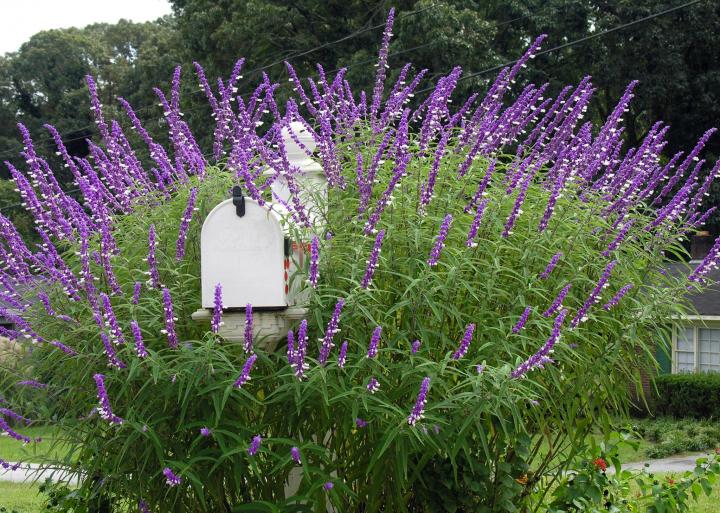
{"x": 269, "y": 327}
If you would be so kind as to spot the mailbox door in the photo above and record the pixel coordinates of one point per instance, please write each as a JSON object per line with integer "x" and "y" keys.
{"x": 245, "y": 255}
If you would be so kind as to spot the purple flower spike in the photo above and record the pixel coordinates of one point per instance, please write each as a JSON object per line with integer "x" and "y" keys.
{"x": 137, "y": 335}
{"x": 523, "y": 319}
{"x": 419, "y": 408}
{"x": 374, "y": 340}
{"x": 342, "y": 355}
{"x": 205, "y": 432}
{"x": 440, "y": 241}
{"x": 551, "y": 265}
{"x": 169, "y": 319}
{"x": 330, "y": 332}
{"x": 245, "y": 374}
{"x": 328, "y": 486}
{"x": 360, "y": 423}
{"x": 557, "y": 304}
{"x": 372, "y": 262}
{"x": 143, "y": 507}
{"x": 113, "y": 360}
{"x": 314, "y": 257}
{"x": 373, "y": 385}
{"x": 136, "y": 292}
{"x": 541, "y": 358}
{"x": 300, "y": 350}
{"x": 255, "y": 445}
{"x": 617, "y": 297}
{"x": 415, "y": 347}
{"x": 151, "y": 258}
{"x": 170, "y": 478}
{"x": 248, "y": 335}
{"x": 65, "y": 349}
{"x": 216, "y": 320}
{"x": 105, "y": 410}
{"x": 31, "y": 383}
{"x": 581, "y": 315}
{"x": 475, "y": 226}
{"x": 185, "y": 224}
{"x": 295, "y": 455}
{"x": 465, "y": 343}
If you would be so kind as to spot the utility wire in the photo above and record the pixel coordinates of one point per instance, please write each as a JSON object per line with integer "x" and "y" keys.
{"x": 576, "y": 42}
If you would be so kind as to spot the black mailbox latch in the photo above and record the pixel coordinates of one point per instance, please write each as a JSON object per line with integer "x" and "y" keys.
{"x": 238, "y": 201}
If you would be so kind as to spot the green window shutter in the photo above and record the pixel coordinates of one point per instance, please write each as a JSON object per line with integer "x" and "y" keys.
{"x": 663, "y": 352}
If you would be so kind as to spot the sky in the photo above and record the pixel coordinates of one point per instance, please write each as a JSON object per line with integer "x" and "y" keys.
{"x": 20, "y": 19}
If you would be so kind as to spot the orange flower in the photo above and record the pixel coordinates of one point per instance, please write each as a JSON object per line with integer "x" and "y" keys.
{"x": 600, "y": 464}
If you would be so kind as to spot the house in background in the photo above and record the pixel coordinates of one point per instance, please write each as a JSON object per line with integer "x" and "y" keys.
{"x": 695, "y": 344}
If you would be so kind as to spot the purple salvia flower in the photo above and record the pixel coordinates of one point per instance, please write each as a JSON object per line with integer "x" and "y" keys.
{"x": 440, "y": 240}
{"x": 110, "y": 353}
{"x": 476, "y": 224}
{"x": 372, "y": 262}
{"x": 618, "y": 239}
{"x": 151, "y": 258}
{"x": 374, "y": 340}
{"x": 111, "y": 321}
{"x": 465, "y": 343}
{"x": 361, "y": 423}
{"x": 480, "y": 369}
{"x": 541, "y": 358}
{"x": 523, "y": 319}
{"x": 254, "y": 445}
{"x": 342, "y": 355}
{"x": 137, "y": 335}
{"x": 13, "y": 434}
{"x": 45, "y": 300}
{"x": 617, "y": 297}
{"x": 516, "y": 210}
{"x": 302, "y": 340}
{"x": 381, "y": 65}
{"x": 10, "y": 466}
{"x": 593, "y": 297}
{"x": 170, "y": 319}
{"x": 245, "y": 374}
{"x": 373, "y": 385}
{"x": 551, "y": 265}
{"x": 558, "y": 301}
{"x": 62, "y": 347}
{"x": 330, "y": 332}
{"x": 206, "y": 432}
{"x": 136, "y": 292}
{"x": 5, "y": 412}
{"x": 143, "y": 507}
{"x": 314, "y": 257}
{"x": 295, "y": 455}
{"x": 291, "y": 348}
{"x": 31, "y": 383}
{"x": 328, "y": 486}
{"x": 419, "y": 408}
{"x": 216, "y": 320}
{"x": 415, "y": 347}
{"x": 105, "y": 410}
{"x": 170, "y": 478}
{"x": 185, "y": 224}
{"x": 248, "y": 335}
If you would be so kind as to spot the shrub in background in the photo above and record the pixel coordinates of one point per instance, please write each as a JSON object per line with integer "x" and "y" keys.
{"x": 484, "y": 286}
{"x": 688, "y": 395}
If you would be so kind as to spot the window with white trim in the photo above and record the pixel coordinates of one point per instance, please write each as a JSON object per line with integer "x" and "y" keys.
{"x": 697, "y": 349}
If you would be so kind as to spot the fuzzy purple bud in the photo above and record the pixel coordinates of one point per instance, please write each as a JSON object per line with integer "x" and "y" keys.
{"x": 330, "y": 332}
{"x": 295, "y": 455}
{"x": 558, "y": 301}
{"x": 419, "y": 408}
{"x": 523, "y": 319}
{"x": 342, "y": 355}
{"x": 169, "y": 319}
{"x": 593, "y": 297}
{"x": 170, "y": 478}
{"x": 105, "y": 410}
{"x": 415, "y": 347}
{"x": 476, "y": 224}
{"x": 151, "y": 258}
{"x": 62, "y": 347}
{"x": 440, "y": 240}
{"x": 248, "y": 335}
{"x": 216, "y": 320}
{"x": 617, "y": 297}
{"x": 372, "y": 262}
{"x": 373, "y": 385}
{"x": 465, "y": 343}
{"x": 255, "y": 445}
{"x": 136, "y": 292}
{"x": 374, "y": 340}
{"x": 185, "y": 225}
{"x": 541, "y": 358}
{"x": 137, "y": 335}
{"x": 360, "y": 423}
{"x": 551, "y": 265}
{"x": 245, "y": 374}
{"x": 314, "y": 258}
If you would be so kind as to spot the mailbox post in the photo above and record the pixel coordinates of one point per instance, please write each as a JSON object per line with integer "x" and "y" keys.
{"x": 245, "y": 248}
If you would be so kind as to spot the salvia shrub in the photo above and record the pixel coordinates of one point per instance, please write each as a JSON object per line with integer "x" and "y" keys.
{"x": 484, "y": 287}
{"x": 688, "y": 395}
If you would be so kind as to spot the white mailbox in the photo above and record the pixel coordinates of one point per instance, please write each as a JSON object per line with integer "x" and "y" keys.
{"x": 246, "y": 254}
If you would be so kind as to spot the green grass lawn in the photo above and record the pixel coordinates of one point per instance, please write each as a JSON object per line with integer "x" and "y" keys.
{"x": 23, "y": 498}
{"x": 13, "y": 450}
